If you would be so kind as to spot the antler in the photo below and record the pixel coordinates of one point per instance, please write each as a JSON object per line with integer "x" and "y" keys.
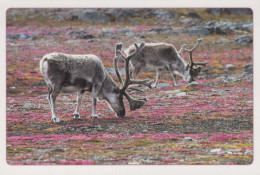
{"x": 128, "y": 81}
{"x": 183, "y": 47}
{"x": 134, "y": 103}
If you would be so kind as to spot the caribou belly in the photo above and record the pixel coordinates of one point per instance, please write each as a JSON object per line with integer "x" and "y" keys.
{"x": 70, "y": 89}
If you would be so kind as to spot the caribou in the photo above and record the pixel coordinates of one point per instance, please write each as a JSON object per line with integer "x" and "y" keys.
{"x": 80, "y": 73}
{"x": 163, "y": 57}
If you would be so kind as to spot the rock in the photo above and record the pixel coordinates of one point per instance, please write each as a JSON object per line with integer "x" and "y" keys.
{"x": 44, "y": 95}
{"x": 217, "y": 28}
{"x": 166, "y": 14}
{"x": 249, "y": 68}
{"x": 177, "y": 91}
{"x": 229, "y": 67}
{"x": 12, "y": 36}
{"x": 162, "y": 85}
{"x": 160, "y": 29}
{"x": 52, "y": 33}
{"x": 199, "y": 31}
{"x": 230, "y": 11}
{"x": 194, "y": 83}
{"x": 78, "y": 32}
{"x": 122, "y": 14}
{"x": 85, "y": 36}
{"x": 244, "y": 40}
{"x": 187, "y": 139}
{"x": 181, "y": 94}
{"x": 214, "y": 11}
{"x": 215, "y": 151}
{"x": 238, "y": 11}
{"x": 194, "y": 15}
{"x": 224, "y": 28}
{"x": 25, "y": 37}
{"x": 72, "y": 16}
{"x": 93, "y": 16}
{"x": 248, "y": 152}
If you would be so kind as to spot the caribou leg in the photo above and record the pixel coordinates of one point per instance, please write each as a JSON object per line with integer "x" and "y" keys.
{"x": 94, "y": 112}
{"x": 79, "y": 99}
{"x": 158, "y": 73}
{"x": 52, "y": 96}
{"x": 95, "y": 90}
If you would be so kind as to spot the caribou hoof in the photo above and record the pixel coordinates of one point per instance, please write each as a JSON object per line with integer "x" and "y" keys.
{"x": 55, "y": 119}
{"x": 94, "y": 116}
{"x": 76, "y": 116}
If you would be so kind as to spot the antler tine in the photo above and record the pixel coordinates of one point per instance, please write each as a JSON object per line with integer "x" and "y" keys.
{"x": 191, "y": 50}
{"x": 196, "y": 45}
{"x": 183, "y": 47}
{"x": 118, "y": 48}
{"x": 128, "y": 81}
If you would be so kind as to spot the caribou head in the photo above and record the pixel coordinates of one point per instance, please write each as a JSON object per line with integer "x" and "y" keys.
{"x": 194, "y": 67}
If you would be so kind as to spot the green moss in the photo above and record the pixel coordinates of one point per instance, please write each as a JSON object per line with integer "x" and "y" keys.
{"x": 18, "y": 150}
{"x": 141, "y": 143}
{"x": 189, "y": 88}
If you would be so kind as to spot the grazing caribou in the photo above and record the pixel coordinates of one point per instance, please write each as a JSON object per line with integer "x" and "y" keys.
{"x": 164, "y": 57}
{"x": 79, "y": 73}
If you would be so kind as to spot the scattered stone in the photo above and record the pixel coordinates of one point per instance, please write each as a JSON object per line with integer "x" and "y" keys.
{"x": 166, "y": 14}
{"x": 248, "y": 152}
{"x": 215, "y": 151}
{"x": 78, "y": 32}
{"x": 187, "y": 139}
{"x": 85, "y": 36}
{"x": 244, "y": 40}
{"x": 160, "y": 29}
{"x": 214, "y": 11}
{"x": 230, "y": 11}
{"x": 52, "y": 33}
{"x": 199, "y": 31}
{"x": 93, "y": 16}
{"x": 122, "y": 14}
{"x": 229, "y": 67}
{"x": 25, "y": 37}
{"x": 224, "y": 28}
{"x": 194, "y": 15}
{"x": 249, "y": 68}
{"x": 194, "y": 83}
{"x": 43, "y": 96}
{"x": 12, "y": 36}
{"x": 181, "y": 94}
{"x": 238, "y": 11}
{"x": 162, "y": 85}
{"x": 177, "y": 91}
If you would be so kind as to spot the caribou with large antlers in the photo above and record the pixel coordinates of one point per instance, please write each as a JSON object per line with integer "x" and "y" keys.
{"x": 164, "y": 57}
{"x": 79, "y": 73}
